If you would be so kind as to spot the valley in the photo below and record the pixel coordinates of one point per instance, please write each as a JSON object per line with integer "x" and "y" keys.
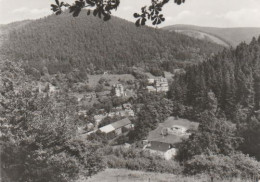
{"x": 86, "y": 100}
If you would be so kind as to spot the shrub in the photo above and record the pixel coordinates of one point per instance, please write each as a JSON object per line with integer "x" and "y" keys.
{"x": 135, "y": 159}
{"x": 221, "y": 166}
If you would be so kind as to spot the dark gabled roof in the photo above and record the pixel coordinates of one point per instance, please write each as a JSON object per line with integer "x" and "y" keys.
{"x": 121, "y": 123}
{"x": 156, "y": 135}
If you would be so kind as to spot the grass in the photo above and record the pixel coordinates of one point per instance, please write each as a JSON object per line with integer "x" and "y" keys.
{"x": 124, "y": 175}
{"x": 112, "y": 78}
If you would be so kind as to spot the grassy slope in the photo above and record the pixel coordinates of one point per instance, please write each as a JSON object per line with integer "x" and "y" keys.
{"x": 231, "y": 35}
{"x": 111, "y": 78}
{"x": 124, "y": 175}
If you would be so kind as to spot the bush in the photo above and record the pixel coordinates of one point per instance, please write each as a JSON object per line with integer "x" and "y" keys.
{"x": 221, "y": 166}
{"x": 135, "y": 159}
{"x": 99, "y": 88}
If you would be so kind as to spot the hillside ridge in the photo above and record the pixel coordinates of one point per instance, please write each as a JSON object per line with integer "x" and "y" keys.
{"x": 233, "y": 36}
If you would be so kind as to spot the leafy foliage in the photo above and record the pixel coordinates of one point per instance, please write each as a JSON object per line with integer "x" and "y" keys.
{"x": 137, "y": 159}
{"x": 103, "y": 9}
{"x": 250, "y": 132}
{"x": 156, "y": 109}
{"x": 221, "y": 166}
{"x": 38, "y": 133}
{"x": 214, "y": 136}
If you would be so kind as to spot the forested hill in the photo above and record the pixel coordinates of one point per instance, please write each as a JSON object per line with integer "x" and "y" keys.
{"x": 90, "y": 44}
{"x": 232, "y": 78}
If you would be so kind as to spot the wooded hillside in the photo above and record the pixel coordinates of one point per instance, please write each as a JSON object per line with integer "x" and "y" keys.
{"x": 62, "y": 43}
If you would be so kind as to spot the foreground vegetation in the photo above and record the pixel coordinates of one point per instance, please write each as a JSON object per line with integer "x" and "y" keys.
{"x": 123, "y": 175}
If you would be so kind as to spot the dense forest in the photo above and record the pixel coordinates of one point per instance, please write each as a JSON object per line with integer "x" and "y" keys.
{"x": 91, "y": 45}
{"x": 227, "y": 86}
{"x": 232, "y": 76}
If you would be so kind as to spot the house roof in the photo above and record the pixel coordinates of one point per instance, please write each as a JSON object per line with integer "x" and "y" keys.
{"x": 161, "y": 135}
{"x": 151, "y": 88}
{"x": 121, "y": 123}
{"x": 113, "y": 126}
{"x": 107, "y": 128}
{"x": 162, "y": 148}
{"x": 156, "y": 135}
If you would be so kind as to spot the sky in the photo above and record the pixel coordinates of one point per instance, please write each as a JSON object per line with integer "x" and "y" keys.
{"x": 213, "y": 13}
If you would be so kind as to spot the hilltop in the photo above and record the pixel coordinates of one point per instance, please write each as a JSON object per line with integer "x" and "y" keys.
{"x": 63, "y": 43}
{"x": 223, "y": 36}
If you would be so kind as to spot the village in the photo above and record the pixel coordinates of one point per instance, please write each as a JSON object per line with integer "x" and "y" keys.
{"x": 116, "y": 122}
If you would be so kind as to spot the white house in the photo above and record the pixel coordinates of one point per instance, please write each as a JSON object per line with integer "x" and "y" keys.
{"x": 117, "y": 128}
{"x": 119, "y": 90}
{"x": 99, "y": 118}
{"x": 165, "y": 138}
{"x": 151, "y": 89}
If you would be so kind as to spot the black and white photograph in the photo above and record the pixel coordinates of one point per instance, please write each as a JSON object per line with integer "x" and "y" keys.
{"x": 130, "y": 90}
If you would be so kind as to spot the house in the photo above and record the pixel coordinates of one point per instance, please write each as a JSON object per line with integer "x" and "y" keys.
{"x": 117, "y": 128}
{"x": 165, "y": 138}
{"x": 150, "y": 80}
{"x": 119, "y": 90}
{"x": 122, "y": 113}
{"x": 111, "y": 114}
{"x": 130, "y": 112}
{"x": 118, "y": 108}
{"x": 99, "y": 118}
{"x": 179, "y": 71}
{"x": 90, "y": 126}
{"x": 82, "y": 113}
{"x": 161, "y": 85}
{"x": 90, "y": 95}
{"x": 158, "y": 84}
{"x": 127, "y": 106}
{"x": 130, "y": 93}
{"x": 151, "y": 89}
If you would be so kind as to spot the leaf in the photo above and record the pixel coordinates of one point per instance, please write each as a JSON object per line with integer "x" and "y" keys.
{"x": 67, "y": 5}
{"x": 137, "y": 23}
{"x": 155, "y": 22}
{"x": 76, "y": 12}
{"x": 79, "y": 3}
{"x": 57, "y": 2}
{"x": 143, "y": 21}
{"x": 179, "y": 2}
{"x": 58, "y": 12}
{"x": 106, "y": 18}
{"x": 95, "y": 12}
{"x": 90, "y": 3}
{"x": 99, "y": 13}
{"x": 136, "y": 15}
{"x": 54, "y": 7}
{"x": 72, "y": 9}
